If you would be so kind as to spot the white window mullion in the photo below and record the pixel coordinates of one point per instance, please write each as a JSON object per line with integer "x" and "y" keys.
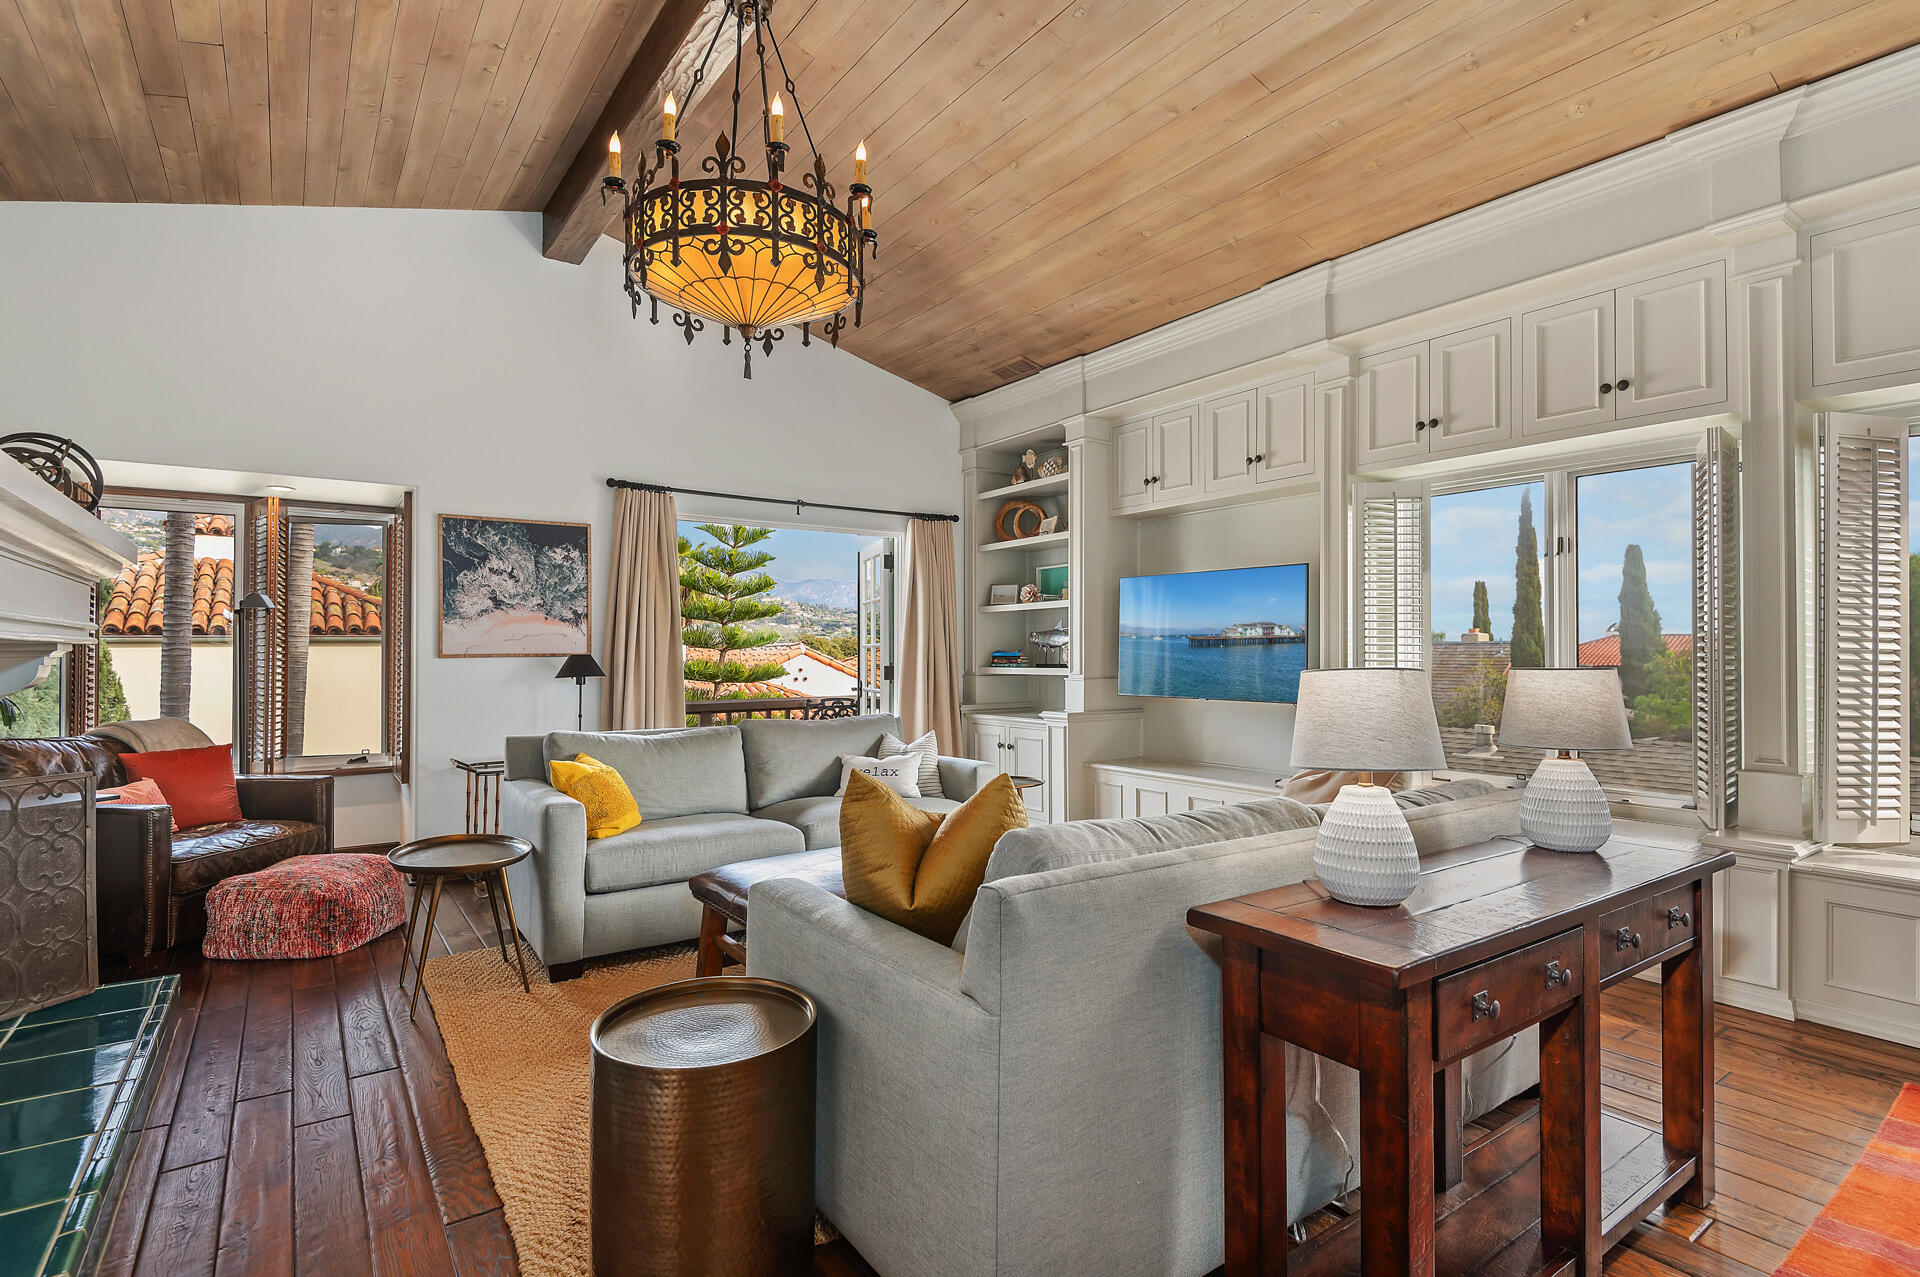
{"x": 1390, "y": 576}
{"x": 1559, "y": 563}
{"x": 1863, "y": 628}
{"x": 1716, "y": 629}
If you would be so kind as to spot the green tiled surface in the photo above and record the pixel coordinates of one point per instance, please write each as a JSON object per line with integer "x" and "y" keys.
{"x": 75, "y": 1081}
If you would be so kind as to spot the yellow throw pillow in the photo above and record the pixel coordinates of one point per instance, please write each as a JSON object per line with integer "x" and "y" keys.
{"x": 597, "y": 787}
{"x": 916, "y": 868}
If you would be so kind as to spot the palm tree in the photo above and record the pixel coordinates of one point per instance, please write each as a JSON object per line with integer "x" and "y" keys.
{"x": 176, "y": 619}
{"x": 299, "y": 632}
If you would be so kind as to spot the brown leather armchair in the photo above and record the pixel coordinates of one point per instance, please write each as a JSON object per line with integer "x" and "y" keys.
{"x": 150, "y": 883}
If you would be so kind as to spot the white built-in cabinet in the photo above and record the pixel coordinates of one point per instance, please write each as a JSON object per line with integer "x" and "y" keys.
{"x": 1650, "y": 349}
{"x": 1155, "y": 460}
{"x": 1449, "y": 394}
{"x": 1253, "y": 437}
{"x": 1866, "y": 326}
{"x": 1016, "y": 745}
{"x": 1149, "y": 787}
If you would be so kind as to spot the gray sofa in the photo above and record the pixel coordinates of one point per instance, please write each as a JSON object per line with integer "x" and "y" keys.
{"x": 709, "y": 796}
{"x": 1044, "y": 1096}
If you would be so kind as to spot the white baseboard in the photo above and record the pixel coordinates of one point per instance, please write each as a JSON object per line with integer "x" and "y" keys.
{"x": 1747, "y": 997}
{"x": 1905, "y": 1032}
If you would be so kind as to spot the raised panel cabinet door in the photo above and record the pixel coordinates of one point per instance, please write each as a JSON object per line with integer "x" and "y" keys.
{"x": 1469, "y": 390}
{"x": 1177, "y": 467}
{"x": 1287, "y": 441}
{"x": 1148, "y": 800}
{"x": 990, "y": 744}
{"x": 1228, "y": 442}
{"x": 1670, "y": 349}
{"x": 1391, "y": 404}
{"x": 1865, "y": 320}
{"x": 1027, "y": 756}
{"x": 1132, "y": 465}
{"x": 1566, "y": 358}
{"x": 1109, "y": 800}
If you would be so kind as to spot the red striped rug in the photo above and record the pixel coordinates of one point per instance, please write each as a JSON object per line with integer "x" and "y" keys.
{"x": 1871, "y": 1228}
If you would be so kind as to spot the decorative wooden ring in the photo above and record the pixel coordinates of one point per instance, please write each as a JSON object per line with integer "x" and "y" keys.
{"x": 1019, "y": 510}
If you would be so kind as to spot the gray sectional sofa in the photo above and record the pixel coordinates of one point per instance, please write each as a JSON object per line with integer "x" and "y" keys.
{"x": 709, "y": 796}
{"x": 1043, "y": 1097}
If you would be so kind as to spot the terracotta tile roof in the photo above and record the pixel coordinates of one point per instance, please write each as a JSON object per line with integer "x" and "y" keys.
{"x": 753, "y": 691}
{"x": 137, "y": 601}
{"x": 213, "y": 525}
{"x": 1605, "y": 652}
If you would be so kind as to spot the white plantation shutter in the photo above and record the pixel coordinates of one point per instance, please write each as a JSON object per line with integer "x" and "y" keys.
{"x": 1716, "y": 629}
{"x": 1863, "y": 617}
{"x": 1390, "y": 571}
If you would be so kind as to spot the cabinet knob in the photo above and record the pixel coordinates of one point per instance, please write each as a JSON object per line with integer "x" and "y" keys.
{"x": 1418, "y": 426}
{"x": 1153, "y": 479}
{"x": 1558, "y": 974}
{"x": 1606, "y": 387}
{"x": 1249, "y": 463}
{"x": 1259, "y": 456}
{"x": 1678, "y": 917}
{"x": 1485, "y": 1007}
{"x": 1626, "y": 938}
{"x": 1434, "y": 424}
{"x": 1621, "y": 384}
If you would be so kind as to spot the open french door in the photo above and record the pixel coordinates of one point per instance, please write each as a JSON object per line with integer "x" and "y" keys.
{"x": 874, "y": 617}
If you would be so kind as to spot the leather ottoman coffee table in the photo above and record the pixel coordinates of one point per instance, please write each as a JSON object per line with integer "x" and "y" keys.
{"x": 722, "y": 894}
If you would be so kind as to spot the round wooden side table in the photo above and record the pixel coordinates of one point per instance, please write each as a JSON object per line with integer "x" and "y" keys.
{"x": 452, "y": 856}
{"x": 1026, "y": 782}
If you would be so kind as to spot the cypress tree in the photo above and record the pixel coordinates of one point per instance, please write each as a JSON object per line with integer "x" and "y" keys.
{"x": 1640, "y": 642}
{"x": 1529, "y": 649}
{"x": 1482, "y": 613}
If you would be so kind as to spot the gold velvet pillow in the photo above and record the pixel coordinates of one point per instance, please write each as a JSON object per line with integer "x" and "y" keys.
{"x": 919, "y": 868}
{"x": 601, "y": 790}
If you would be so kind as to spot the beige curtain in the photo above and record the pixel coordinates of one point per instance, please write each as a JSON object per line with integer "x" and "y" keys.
{"x": 930, "y": 645}
{"x": 644, "y": 683}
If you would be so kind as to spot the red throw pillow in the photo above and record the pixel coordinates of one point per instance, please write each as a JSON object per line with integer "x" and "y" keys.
{"x": 198, "y": 782}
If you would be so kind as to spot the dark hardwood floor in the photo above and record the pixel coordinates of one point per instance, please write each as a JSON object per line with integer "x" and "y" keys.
{"x": 304, "y": 1125}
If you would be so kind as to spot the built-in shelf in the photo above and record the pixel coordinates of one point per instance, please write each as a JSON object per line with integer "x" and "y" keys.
{"x": 1044, "y": 606}
{"x": 1052, "y": 483}
{"x": 1038, "y": 671}
{"x": 1027, "y": 543}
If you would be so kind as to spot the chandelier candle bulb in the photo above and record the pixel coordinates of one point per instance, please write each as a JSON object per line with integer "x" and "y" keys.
{"x": 866, "y": 213}
{"x": 669, "y": 116}
{"x": 613, "y": 156}
{"x": 860, "y": 162}
{"x": 776, "y": 122}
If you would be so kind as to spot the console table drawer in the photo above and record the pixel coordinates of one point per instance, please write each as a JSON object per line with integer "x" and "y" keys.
{"x": 1499, "y": 998}
{"x": 1645, "y": 927}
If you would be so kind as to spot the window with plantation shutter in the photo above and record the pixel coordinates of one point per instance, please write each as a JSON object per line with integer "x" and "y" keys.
{"x": 1716, "y": 628}
{"x": 399, "y": 626}
{"x": 1863, "y": 795}
{"x": 1390, "y": 588}
{"x": 263, "y": 640}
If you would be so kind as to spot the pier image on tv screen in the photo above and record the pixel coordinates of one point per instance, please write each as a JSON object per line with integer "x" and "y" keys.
{"x": 1233, "y": 635}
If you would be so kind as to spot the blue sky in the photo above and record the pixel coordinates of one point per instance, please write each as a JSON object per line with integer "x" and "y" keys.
{"x": 1198, "y": 602}
{"x": 1473, "y": 533}
{"x": 803, "y": 556}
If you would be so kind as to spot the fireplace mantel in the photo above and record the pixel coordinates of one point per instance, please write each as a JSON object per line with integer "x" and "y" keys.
{"x": 52, "y": 555}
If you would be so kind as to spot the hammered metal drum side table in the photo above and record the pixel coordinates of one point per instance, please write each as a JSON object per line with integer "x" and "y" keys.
{"x": 702, "y": 1143}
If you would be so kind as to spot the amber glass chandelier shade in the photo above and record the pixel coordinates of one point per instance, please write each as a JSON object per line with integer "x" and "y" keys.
{"x": 746, "y": 283}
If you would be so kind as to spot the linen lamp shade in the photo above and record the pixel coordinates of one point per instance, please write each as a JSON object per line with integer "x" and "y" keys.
{"x": 1579, "y": 709}
{"x": 1366, "y": 720}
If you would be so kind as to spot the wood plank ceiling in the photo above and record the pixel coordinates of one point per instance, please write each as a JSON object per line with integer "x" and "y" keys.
{"x": 1051, "y": 176}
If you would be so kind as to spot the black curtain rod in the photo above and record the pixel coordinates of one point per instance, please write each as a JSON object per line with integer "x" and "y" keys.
{"x": 797, "y": 505}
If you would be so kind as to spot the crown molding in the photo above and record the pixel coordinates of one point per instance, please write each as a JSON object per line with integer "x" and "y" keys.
{"x": 1762, "y": 124}
{"x": 1268, "y": 302}
{"x": 1877, "y": 85}
{"x": 1064, "y": 376}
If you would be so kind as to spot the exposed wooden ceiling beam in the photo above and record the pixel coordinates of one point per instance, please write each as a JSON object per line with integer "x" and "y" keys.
{"x": 665, "y": 62}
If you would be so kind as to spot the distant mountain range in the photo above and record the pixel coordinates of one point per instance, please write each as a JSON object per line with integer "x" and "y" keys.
{"x": 839, "y": 594}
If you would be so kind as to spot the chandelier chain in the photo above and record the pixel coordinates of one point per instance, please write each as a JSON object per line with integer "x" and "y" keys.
{"x": 773, "y": 37}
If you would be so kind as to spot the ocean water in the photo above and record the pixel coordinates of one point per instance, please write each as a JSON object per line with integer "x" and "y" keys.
{"x": 1174, "y": 667}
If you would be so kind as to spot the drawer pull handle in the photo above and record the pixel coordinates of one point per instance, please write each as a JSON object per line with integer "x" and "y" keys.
{"x": 1557, "y": 974}
{"x": 1678, "y": 917}
{"x": 1626, "y": 938}
{"x": 1485, "y": 1007}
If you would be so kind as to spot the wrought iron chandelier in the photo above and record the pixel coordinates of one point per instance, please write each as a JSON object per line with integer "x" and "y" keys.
{"x": 752, "y": 256}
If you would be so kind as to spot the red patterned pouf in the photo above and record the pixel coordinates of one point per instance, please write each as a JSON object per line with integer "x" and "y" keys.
{"x": 304, "y": 907}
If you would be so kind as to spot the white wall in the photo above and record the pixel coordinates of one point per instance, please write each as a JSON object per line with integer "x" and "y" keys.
{"x": 438, "y": 350}
{"x": 1237, "y": 733}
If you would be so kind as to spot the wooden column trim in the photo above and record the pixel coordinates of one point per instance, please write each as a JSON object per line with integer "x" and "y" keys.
{"x": 575, "y": 216}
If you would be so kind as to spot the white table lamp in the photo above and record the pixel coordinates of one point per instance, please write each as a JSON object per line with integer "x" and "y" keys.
{"x": 1564, "y": 808}
{"x": 1366, "y": 720}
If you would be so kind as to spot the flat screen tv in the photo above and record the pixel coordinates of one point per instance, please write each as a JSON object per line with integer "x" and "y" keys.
{"x": 1233, "y": 635}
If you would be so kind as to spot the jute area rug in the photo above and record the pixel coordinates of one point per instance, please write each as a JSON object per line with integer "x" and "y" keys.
{"x": 524, "y": 1067}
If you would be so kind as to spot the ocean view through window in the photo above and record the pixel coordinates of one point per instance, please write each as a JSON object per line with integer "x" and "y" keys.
{"x": 1239, "y": 634}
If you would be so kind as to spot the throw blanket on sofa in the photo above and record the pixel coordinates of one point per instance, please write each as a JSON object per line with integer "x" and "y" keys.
{"x": 146, "y": 735}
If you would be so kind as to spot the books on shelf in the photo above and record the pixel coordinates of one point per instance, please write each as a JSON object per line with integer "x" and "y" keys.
{"x": 1008, "y": 658}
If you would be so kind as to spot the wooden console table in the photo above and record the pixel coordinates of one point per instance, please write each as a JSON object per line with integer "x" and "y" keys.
{"x": 1497, "y": 937}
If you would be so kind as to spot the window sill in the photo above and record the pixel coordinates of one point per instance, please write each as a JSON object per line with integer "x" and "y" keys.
{"x": 1894, "y": 866}
{"x": 327, "y": 768}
